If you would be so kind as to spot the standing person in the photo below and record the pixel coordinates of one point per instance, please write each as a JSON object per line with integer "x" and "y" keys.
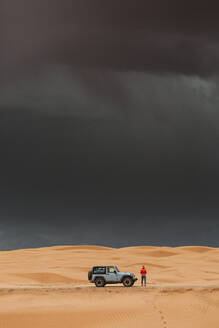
{"x": 143, "y": 275}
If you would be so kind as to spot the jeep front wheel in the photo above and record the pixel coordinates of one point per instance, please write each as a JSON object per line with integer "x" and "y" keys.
{"x": 99, "y": 282}
{"x": 127, "y": 282}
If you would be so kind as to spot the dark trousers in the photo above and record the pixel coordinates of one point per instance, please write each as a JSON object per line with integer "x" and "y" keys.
{"x": 143, "y": 280}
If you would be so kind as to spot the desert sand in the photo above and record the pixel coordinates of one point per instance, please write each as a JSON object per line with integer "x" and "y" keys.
{"x": 48, "y": 287}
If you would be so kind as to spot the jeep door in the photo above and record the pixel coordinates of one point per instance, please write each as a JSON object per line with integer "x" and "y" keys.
{"x": 112, "y": 275}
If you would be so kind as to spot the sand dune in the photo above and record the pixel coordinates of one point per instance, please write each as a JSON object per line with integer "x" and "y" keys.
{"x": 82, "y": 247}
{"x": 47, "y": 278}
{"x": 161, "y": 253}
{"x": 197, "y": 249}
{"x": 151, "y": 265}
{"x": 48, "y": 287}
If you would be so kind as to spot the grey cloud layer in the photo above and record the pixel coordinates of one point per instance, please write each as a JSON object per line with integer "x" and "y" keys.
{"x": 157, "y": 126}
{"x": 153, "y": 36}
{"x": 109, "y": 116}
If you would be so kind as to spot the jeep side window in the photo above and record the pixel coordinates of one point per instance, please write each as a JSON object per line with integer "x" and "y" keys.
{"x": 111, "y": 269}
{"x": 99, "y": 270}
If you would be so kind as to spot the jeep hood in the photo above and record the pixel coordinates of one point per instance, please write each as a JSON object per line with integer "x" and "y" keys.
{"x": 124, "y": 273}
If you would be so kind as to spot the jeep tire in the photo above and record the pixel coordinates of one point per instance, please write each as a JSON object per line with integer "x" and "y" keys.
{"x": 127, "y": 281}
{"x": 99, "y": 282}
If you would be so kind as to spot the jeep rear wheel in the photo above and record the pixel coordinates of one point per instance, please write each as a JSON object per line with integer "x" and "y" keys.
{"x": 99, "y": 282}
{"x": 127, "y": 282}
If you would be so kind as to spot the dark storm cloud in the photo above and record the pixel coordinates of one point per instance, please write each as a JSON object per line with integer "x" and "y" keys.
{"x": 101, "y": 149}
{"x": 108, "y": 122}
{"x": 156, "y": 36}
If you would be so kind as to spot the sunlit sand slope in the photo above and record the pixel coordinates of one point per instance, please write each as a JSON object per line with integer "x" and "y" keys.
{"x": 48, "y": 287}
{"x": 70, "y": 264}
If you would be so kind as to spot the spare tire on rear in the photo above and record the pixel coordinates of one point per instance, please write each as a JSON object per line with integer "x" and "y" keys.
{"x": 89, "y": 275}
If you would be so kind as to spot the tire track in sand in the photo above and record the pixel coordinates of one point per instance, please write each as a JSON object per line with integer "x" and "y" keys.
{"x": 161, "y": 315}
{"x": 121, "y": 318}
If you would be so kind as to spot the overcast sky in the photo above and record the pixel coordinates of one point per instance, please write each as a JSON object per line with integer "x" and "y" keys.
{"x": 109, "y": 122}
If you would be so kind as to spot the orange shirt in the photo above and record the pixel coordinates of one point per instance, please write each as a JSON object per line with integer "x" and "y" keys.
{"x": 143, "y": 272}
